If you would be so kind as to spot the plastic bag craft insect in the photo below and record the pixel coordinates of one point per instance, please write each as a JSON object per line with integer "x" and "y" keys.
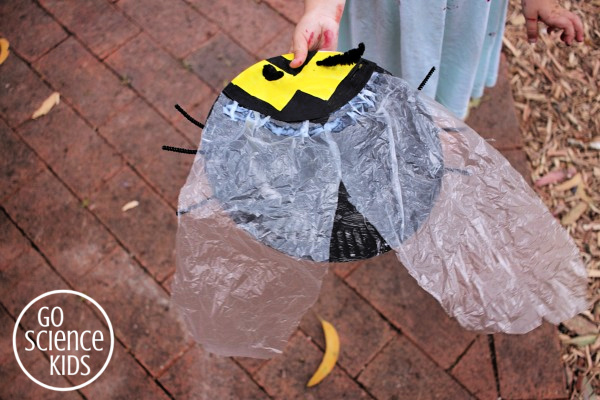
{"x": 338, "y": 161}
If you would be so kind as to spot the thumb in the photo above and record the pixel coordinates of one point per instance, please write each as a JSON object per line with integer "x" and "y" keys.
{"x": 300, "y": 49}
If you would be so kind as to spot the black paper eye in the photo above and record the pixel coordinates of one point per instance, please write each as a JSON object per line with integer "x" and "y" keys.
{"x": 271, "y": 74}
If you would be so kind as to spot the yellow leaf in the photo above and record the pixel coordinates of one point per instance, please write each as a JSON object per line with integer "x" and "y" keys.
{"x": 474, "y": 103}
{"x": 47, "y": 105}
{"x": 332, "y": 352}
{"x": 575, "y": 213}
{"x": 130, "y": 205}
{"x": 4, "y": 45}
{"x": 581, "y": 341}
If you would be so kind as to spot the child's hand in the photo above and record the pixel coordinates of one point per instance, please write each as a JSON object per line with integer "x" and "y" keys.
{"x": 317, "y": 29}
{"x": 555, "y": 17}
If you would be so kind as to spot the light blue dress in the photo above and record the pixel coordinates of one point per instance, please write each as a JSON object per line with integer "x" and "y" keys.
{"x": 461, "y": 38}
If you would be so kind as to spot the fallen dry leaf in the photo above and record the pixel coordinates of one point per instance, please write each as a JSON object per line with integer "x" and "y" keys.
{"x": 4, "y": 45}
{"x": 587, "y": 389}
{"x": 575, "y": 213}
{"x": 330, "y": 357}
{"x": 570, "y": 184}
{"x": 582, "y": 195}
{"x": 130, "y": 205}
{"x": 47, "y": 105}
{"x": 581, "y": 341}
{"x": 580, "y": 326}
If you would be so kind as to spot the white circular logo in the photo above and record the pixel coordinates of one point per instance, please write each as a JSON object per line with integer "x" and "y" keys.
{"x": 60, "y": 342}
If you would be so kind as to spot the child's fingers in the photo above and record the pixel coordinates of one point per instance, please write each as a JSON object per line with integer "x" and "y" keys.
{"x": 299, "y": 48}
{"x": 566, "y": 25}
{"x": 578, "y": 25}
{"x": 531, "y": 24}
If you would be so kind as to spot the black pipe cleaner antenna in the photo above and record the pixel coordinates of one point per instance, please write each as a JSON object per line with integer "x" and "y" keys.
{"x": 350, "y": 57}
{"x": 189, "y": 117}
{"x": 181, "y": 150}
{"x": 422, "y": 85}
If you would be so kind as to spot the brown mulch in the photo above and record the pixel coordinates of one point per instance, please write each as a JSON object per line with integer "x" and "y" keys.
{"x": 557, "y": 95}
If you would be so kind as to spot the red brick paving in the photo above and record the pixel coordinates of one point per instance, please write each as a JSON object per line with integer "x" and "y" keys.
{"x": 124, "y": 379}
{"x": 251, "y": 365}
{"x": 363, "y": 332}
{"x": 291, "y": 10}
{"x": 219, "y": 61}
{"x": 151, "y": 330}
{"x": 12, "y": 242}
{"x": 519, "y": 360}
{"x": 475, "y": 370}
{"x": 31, "y": 29}
{"x": 136, "y": 131}
{"x": 286, "y": 377}
{"x": 199, "y": 375}
{"x": 138, "y": 228}
{"x": 92, "y": 88}
{"x": 98, "y": 24}
{"x": 18, "y": 163}
{"x": 401, "y": 371}
{"x": 74, "y": 151}
{"x": 174, "y": 25}
{"x": 277, "y": 46}
{"x": 18, "y": 292}
{"x": 22, "y": 91}
{"x": 120, "y": 66}
{"x": 343, "y": 269}
{"x": 60, "y": 226}
{"x": 160, "y": 78}
{"x": 390, "y": 289}
{"x": 250, "y": 23}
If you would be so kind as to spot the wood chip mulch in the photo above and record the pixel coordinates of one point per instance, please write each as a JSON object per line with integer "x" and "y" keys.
{"x": 556, "y": 90}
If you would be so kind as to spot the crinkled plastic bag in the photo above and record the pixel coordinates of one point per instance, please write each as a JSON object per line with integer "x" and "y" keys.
{"x": 258, "y": 207}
